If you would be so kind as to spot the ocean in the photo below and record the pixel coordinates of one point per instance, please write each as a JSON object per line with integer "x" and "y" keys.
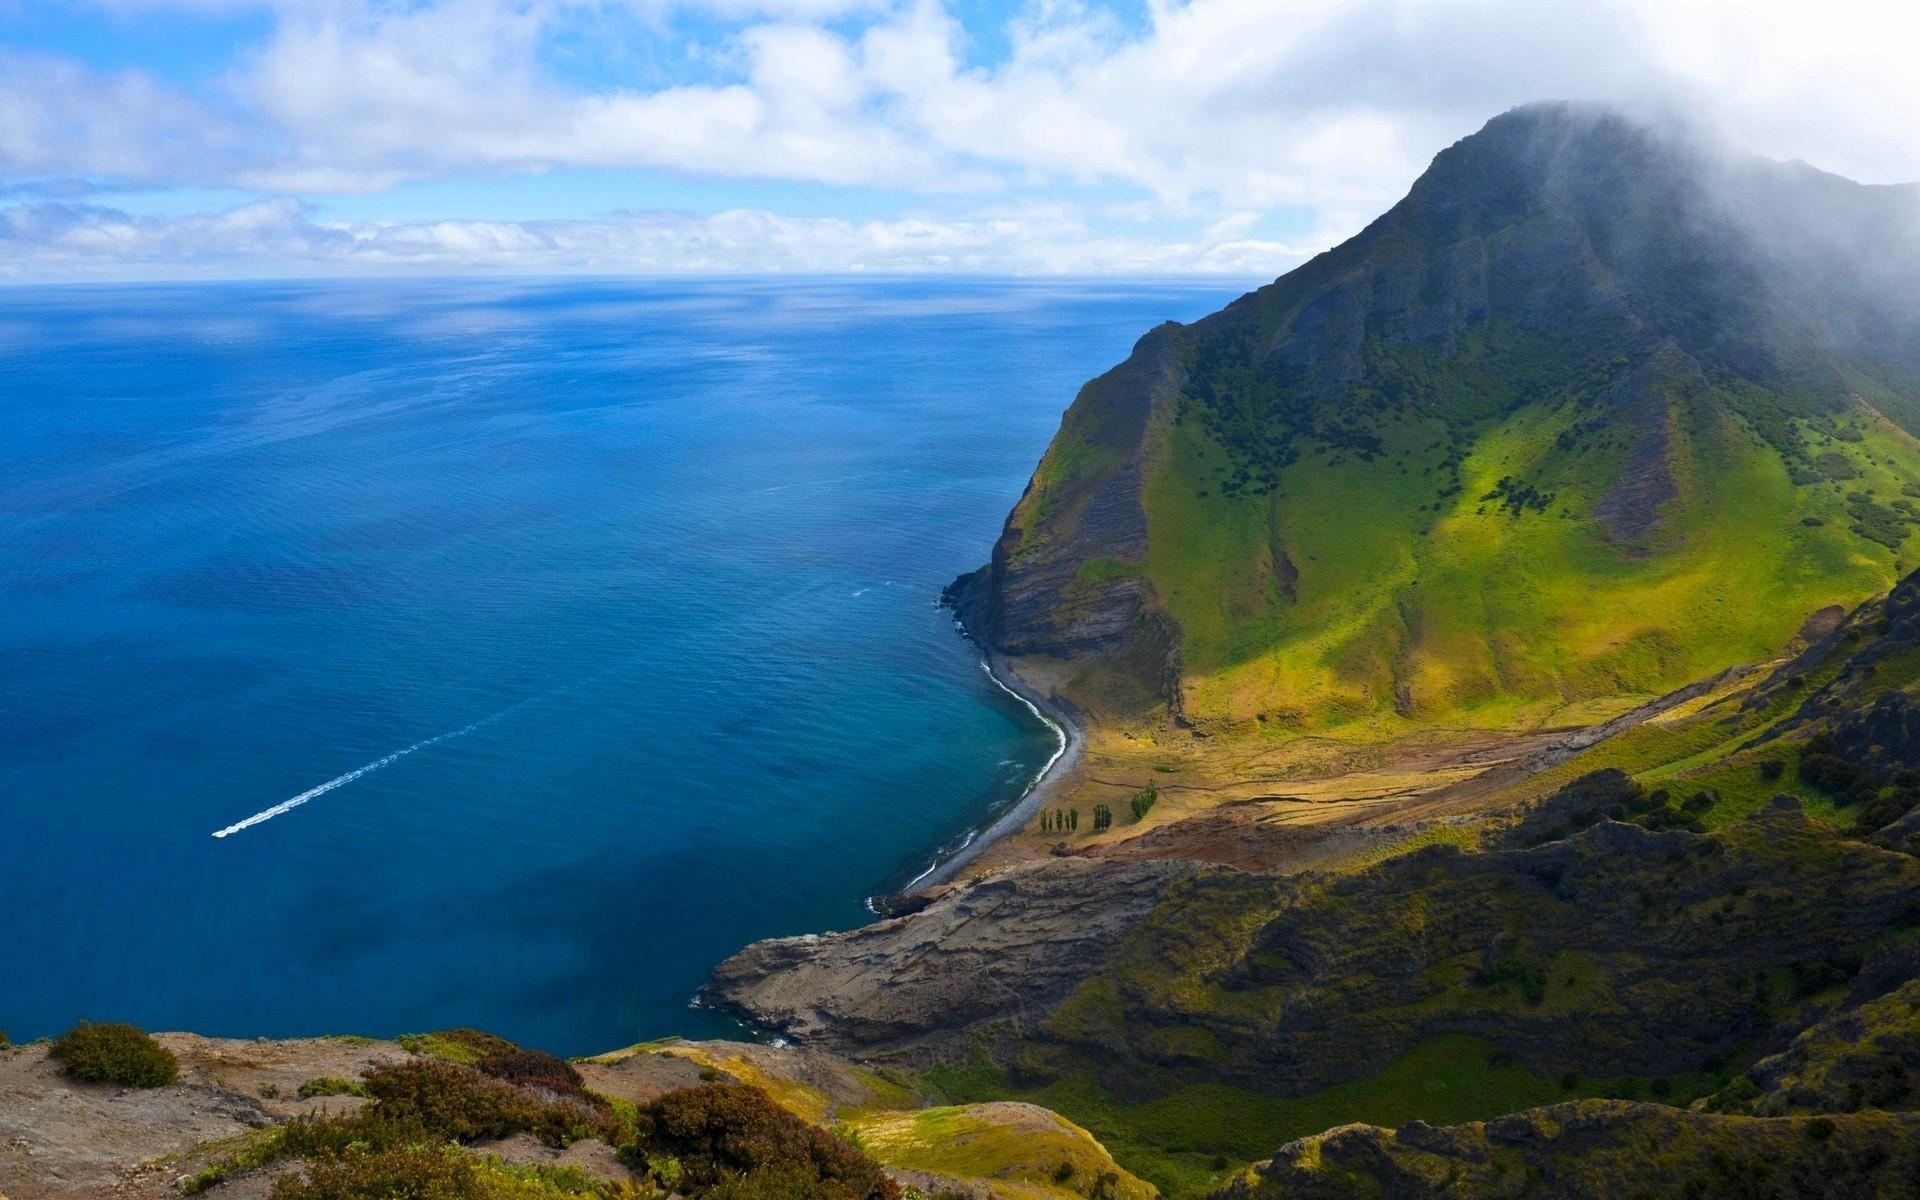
{"x": 533, "y": 644}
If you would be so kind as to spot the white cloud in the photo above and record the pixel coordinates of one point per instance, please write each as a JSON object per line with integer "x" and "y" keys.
{"x": 1209, "y": 110}
{"x": 60, "y": 119}
{"x": 55, "y": 241}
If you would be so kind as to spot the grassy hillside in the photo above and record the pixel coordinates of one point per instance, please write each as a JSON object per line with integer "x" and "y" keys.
{"x": 1460, "y": 575}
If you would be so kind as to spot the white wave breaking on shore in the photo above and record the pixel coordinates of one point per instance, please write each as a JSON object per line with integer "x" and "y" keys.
{"x": 948, "y": 857}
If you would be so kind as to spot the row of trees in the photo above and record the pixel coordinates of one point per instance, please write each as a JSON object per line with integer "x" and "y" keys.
{"x": 1067, "y": 820}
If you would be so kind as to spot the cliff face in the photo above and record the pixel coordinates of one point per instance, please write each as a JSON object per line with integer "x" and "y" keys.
{"x": 1046, "y": 590}
{"x": 1518, "y": 442}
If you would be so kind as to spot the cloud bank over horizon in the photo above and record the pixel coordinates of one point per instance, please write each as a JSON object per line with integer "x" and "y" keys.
{"x": 181, "y": 138}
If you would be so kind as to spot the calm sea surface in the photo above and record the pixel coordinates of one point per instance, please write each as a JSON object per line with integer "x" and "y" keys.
{"x": 619, "y": 596}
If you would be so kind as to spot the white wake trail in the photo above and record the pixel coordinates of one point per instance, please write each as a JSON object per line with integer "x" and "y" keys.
{"x": 343, "y": 780}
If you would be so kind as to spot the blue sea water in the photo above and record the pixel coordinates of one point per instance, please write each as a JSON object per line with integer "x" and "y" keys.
{"x": 662, "y": 557}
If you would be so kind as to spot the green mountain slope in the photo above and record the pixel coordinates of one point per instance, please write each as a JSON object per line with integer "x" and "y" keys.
{"x": 1588, "y": 415}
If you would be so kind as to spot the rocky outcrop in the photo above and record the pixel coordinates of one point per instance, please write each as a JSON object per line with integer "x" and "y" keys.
{"x": 1630, "y": 511}
{"x": 61, "y": 1139}
{"x": 989, "y": 959}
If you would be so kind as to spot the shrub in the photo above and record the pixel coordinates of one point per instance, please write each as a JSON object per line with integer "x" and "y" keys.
{"x": 457, "y": 1104}
{"x": 1514, "y": 966}
{"x": 463, "y": 1046}
{"x": 1884, "y": 810}
{"x": 735, "y": 1143}
{"x": 1701, "y": 801}
{"x": 1835, "y": 775}
{"x": 1772, "y": 769}
{"x": 416, "y": 1104}
{"x": 395, "y": 1173}
{"x": 332, "y": 1085}
{"x": 6, "y": 1043}
{"x": 116, "y": 1053}
{"x": 537, "y": 1069}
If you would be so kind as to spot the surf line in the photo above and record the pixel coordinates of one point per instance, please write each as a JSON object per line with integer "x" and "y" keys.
{"x": 338, "y": 781}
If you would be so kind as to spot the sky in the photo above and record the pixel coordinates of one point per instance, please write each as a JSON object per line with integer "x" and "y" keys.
{"x": 159, "y": 139}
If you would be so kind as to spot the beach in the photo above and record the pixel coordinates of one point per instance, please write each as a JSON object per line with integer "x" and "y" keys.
{"x": 1060, "y": 717}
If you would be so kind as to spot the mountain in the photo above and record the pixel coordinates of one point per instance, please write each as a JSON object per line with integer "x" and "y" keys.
{"x": 1594, "y": 411}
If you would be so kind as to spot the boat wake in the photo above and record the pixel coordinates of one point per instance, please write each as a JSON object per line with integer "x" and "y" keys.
{"x": 339, "y": 781}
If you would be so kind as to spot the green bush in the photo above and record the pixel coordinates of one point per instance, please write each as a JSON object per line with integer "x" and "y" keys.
{"x": 394, "y": 1173}
{"x": 332, "y": 1085}
{"x": 116, "y": 1053}
{"x": 419, "y": 1108}
{"x": 734, "y": 1143}
{"x": 463, "y": 1046}
{"x": 538, "y": 1069}
{"x": 457, "y": 1104}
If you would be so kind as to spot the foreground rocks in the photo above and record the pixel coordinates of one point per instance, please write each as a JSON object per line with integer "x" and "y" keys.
{"x": 61, "y": 1139}
{"x": 999, "y": 954}
{"x": 64, "y": 1140}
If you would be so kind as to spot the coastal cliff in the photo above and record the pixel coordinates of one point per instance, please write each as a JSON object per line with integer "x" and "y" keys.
{"x": 1045, "y": 591}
